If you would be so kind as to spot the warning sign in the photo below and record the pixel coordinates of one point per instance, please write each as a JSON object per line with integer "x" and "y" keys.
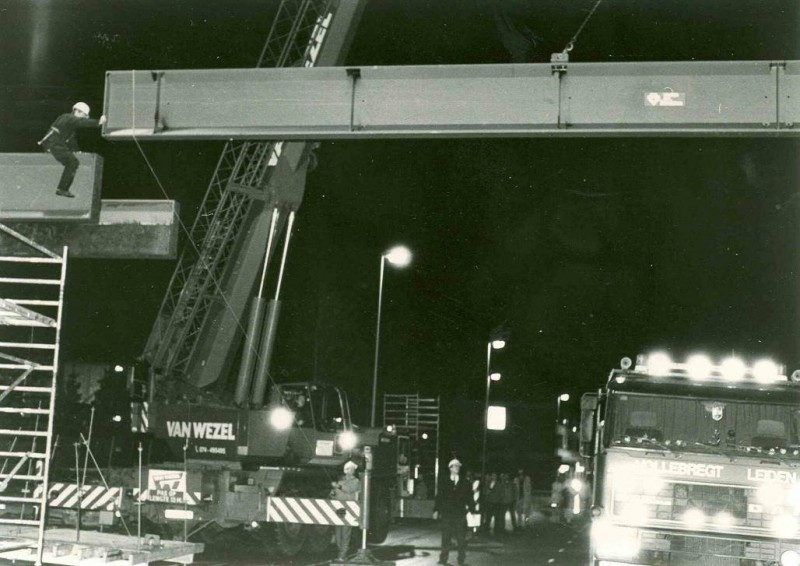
{"x": 169, "y": 486}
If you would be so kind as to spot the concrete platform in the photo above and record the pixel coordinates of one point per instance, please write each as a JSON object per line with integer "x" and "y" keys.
{"x": 125, "y": 229}
{"x": 61, "y": 547}
{"x": 28, "y": 182}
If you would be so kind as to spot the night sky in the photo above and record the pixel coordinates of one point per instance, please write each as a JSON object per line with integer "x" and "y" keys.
{"x": 585, "y": 250}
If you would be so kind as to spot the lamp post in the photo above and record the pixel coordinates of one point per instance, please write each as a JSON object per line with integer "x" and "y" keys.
{"x": 399, "y": 256}
{"x": 563, "y": 397}
{"x": 492, "y": 345}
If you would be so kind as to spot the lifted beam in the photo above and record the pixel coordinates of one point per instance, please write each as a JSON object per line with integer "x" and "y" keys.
{"x": 723, "y": 98}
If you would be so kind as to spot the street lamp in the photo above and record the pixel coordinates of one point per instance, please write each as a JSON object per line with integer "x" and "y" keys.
{"x": 564, "y": 397}
{"x": 399, "y": 256}
{"x": 490, "y": 377}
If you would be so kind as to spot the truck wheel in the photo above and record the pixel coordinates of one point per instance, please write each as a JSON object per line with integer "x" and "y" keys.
{"x": 319, "y": 538}
{"x": 290, "y": 537}
{"x": 380, "y": 516}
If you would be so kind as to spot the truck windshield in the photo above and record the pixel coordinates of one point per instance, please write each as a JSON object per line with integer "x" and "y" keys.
{"x": 682, "y": 423}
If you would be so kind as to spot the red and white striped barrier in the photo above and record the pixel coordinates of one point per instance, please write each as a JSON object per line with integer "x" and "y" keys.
{"x": 313, "y": 511}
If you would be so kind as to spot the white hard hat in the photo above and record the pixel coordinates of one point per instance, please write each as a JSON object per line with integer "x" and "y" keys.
{"x": 350, "y": 465}
{"x": 82, "y": 106}
{"x": 454, "y": 462}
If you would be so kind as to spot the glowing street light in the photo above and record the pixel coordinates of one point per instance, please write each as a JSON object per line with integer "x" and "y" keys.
{"x": 399, "y": 256}
{"x": 492, "y": 345}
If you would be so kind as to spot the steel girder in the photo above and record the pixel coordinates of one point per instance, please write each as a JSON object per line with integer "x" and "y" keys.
{"x": 722, "y": 98}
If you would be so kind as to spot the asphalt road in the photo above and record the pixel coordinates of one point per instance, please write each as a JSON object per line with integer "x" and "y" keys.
{"x": 413, "y": 543}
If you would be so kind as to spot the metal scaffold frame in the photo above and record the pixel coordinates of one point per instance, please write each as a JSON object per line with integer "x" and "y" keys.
{"x": 31, "y": 306}
{"x": 414, "y": 416}
{"x": 239, "y": 181}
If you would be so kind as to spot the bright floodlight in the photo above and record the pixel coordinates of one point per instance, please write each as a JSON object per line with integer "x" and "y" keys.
{"x": 498, "y": 344}
{"x": 496, "y": 418}
{"x": 281, "y": 418}
{"x": 424, "y": 436}
{"x": 399, "y": 256}
{"x": 564, "y": 397}
{"x": 118, "y": 369}
{"x": 494, "y": 376}
{"x": 117, "y": 418}
{"x": 658, "y": 363}
{"x": 765, "y": 370}
{"x": 699, "y": 366}
{"x": 733, "y": 369}
{"x": 348, "y": 440}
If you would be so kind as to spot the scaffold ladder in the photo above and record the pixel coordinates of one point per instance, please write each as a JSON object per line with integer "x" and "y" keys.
{"x": 31, "y": 306}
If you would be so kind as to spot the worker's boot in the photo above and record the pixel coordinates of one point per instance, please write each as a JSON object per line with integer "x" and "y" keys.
{"x": 65, "y": 194}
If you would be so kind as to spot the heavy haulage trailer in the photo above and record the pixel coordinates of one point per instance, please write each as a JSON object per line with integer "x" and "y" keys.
{"x": 694, "y": 463}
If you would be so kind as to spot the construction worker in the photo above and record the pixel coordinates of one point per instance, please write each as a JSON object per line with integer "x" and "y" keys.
{"x": 346, "y": 489}
{"x": 61, "y": 142}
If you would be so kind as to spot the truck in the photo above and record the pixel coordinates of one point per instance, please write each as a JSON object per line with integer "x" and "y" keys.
{"x": 696, "y": 462}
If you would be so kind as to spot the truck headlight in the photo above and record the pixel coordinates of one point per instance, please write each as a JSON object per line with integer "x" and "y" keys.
{"x": 281, "y": 418}
{"x": 348, "y": 440}
{"x": 785, "y": 526}
{"x": 612, "y": 541}
{"x": 790, "y": 558}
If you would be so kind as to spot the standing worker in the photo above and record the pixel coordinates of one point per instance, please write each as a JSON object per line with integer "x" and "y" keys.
{"x": 452, "y": 503}
{"x": 346, "y": 489}
{"x": 61, "y": 142}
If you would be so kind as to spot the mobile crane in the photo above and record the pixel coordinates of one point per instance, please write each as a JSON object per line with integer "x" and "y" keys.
{"x": 233, "y": 455}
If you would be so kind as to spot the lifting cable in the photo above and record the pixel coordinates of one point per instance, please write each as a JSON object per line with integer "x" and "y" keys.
{"x": 571, "y": 43}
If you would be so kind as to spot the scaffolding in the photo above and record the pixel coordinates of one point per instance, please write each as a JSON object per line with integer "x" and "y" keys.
{"x": 31, "y": 306}
{"x": 418, "y": 418}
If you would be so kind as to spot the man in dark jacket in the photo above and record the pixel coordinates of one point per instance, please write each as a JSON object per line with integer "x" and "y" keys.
{"x": 61, "y": 142}
{"x": 452, "y": 503}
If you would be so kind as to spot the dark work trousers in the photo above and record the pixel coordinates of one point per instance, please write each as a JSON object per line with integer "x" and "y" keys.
{"x": 70, "y": 163}
{"x": 454, "y": 527}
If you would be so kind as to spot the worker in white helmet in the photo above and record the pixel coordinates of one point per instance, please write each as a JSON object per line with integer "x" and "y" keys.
{"x": 61, "y": 142}
{"x": 348, "y": 488}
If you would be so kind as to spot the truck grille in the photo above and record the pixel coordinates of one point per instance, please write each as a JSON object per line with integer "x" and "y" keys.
{"x": 688, "y": 550}
{"x": 724, "y": 507}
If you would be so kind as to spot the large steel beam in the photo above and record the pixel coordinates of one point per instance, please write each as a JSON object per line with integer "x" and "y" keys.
{"x": 723, "y": 98}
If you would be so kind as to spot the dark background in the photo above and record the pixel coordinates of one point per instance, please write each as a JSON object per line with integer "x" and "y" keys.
{"x": 585, "y": 250}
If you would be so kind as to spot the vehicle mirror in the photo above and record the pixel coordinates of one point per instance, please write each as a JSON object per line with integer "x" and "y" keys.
{"x": 588, "y": 417}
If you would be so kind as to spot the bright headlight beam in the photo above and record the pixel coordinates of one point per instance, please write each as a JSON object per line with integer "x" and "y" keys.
{"x": 699, "y": 366}
{"x": 658, "y": 363}
{"x": 694, "y": 519}
{"x": 765, "y": 371}
{"x": 733, "y": 369}
{"x": 785, "y": 526}
{"x": 281, "y": 418}
{"x": 348, "y": 440}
